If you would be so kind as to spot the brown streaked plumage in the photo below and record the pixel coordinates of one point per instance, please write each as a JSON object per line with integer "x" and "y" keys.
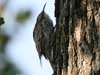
{"x": 42, "y": 34}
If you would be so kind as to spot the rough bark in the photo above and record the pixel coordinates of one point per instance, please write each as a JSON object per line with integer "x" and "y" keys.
{"x": 76, "y": 49}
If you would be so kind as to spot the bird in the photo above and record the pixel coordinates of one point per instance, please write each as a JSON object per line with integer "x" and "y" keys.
{"x": 42, "y": 34}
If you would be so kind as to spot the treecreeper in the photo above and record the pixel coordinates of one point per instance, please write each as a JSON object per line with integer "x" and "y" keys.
{"x": 42, "y": 34}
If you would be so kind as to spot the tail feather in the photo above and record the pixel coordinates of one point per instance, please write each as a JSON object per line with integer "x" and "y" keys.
{"x": 40, "y": 56}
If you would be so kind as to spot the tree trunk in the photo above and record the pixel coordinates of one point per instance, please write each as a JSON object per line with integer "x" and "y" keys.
{"x": 76, "y": 48}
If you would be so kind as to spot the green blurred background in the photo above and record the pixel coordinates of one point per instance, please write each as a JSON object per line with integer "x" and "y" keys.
{"x": 18, "y": 55}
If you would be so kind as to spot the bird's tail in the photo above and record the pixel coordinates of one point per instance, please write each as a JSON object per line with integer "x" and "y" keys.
{"x": 40, "y": 56}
